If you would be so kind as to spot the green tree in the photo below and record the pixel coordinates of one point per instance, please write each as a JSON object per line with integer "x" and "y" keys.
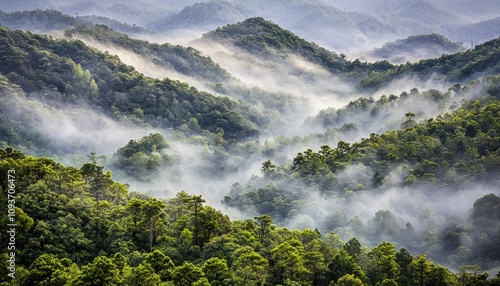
{"x": 268, "y": 168}
{"x": 98, "y": 182}
{"x": 404, "y": 260}
{"x": 217, "y": 272}
{"x": 47, "y": 270}
{"x": 420, "y": 268}
{"x": 384, "y": 257}
{"x": 160, "y": 264}
{"x": 250, "y": 268}
{"x": 264, "y": 226}
{"x": 153, "y": 214}
{"x": 187, "y": 274}
{"x": 142, "y": 275}
{"x": 288, "y": 263}
{"x": 349, "y": 280}
{"x": 101, "y": 272}
{"x": 353, "y": 248}
{"x": 195, "y": 204}
{"x": 315, "y": 263}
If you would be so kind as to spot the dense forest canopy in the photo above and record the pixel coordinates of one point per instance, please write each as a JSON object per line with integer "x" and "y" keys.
{"x": 76, "y": 226}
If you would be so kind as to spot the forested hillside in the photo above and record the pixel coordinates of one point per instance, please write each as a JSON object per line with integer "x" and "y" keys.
{"x": 70, "y": 72}
{"x": 53, "y": 21}
{"x": 187, "y": 61}
{"x": 474, "y": 63}
{"x": 264, "y": 38}
{"x": 76, "y": 226}
{"x": 417, "y": 47}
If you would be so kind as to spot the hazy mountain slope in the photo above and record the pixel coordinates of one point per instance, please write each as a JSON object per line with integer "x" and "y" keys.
{"x": 423, "y": 12}
{"x": 358, "y": 25}
{"x": 266, "y": 39}
{"x": 270, "y": 41}
{"x": 474, "y": 63}
{"x": 475, "y": 32}
{"x": 94, "y": 229}
{"x": 338, "y": 25}
{"x": 187, "y": 61}
{"x": 44, "y": 21}
{"x": 310, "y": 19}
{"x": 416, "y": 47}
{"x": 471, "y": 10}
{"x": 204, "y": 16}
{"x": 132, "y": 12}
{"x": 397, "y": 173}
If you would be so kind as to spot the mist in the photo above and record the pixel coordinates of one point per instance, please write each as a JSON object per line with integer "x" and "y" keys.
{"x": 74, "y": 129}
{"x": 279, "y": 73}
{"x": 144, "y": 65}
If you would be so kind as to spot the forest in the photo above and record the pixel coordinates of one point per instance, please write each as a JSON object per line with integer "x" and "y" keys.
{"x": 250, "y": 156}
{"x": 77, "y": 226}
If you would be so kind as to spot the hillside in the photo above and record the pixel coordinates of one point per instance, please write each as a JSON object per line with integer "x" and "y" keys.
{"x": 349, "y": 28}
{"x": 45, "y": 21}
{"x": 127, "y": 11}
{"x": 459, "y": 67}
{"x": 261, "y": 37}
{"x": 93, "y": 230}
{"x": 268, "y": 40}
{"x": 187, "y": 61}
{"x": 69, "y": 72}
{"x": 428, "y": 161}
{"x": 417, "y": 47}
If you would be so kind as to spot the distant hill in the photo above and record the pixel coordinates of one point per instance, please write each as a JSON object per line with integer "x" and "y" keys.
{"x": 137, "y": 12}
{"x": 417, "y": 47}
{"x": 51, "y": 20}
{"x": 187, "y": 61}
{"x": 357, "y": 24}
{"x": 475, "y": 32}
{"x": 203, "y": 16}
{"x": 481, "y": 61}
{"x": 313, "y": 20}
{"x": 261, "y": 37}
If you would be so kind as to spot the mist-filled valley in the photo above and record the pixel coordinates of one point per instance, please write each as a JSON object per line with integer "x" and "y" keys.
{"x": 250, "y": 143}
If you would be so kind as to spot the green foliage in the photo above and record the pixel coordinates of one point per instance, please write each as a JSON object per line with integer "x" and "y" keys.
{"x": 267, "y": 39}
{"x": 102, "y": 271}
{"x": 434, "y": 44}
{"x": 217, "y": 271}
{"x": 250, "y": 267}
{"x": 187, "y": 274}
{"x": 48, "y": 270}
{"x": 349, "y": 280}
{"x": 142, "y": 159}
{"x": 73, "y": 220}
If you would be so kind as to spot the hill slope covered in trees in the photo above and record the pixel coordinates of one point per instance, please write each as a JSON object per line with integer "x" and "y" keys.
{"x": 69, "y": 72}
{"x": 76, "y": 226}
